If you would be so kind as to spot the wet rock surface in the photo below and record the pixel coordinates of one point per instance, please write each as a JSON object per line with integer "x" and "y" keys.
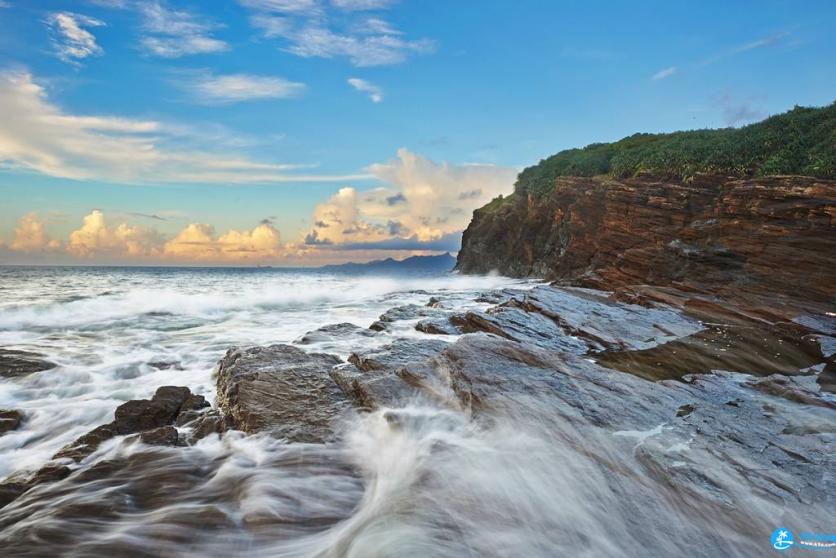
{"x": 604, "y": 323}
{"x": 682, "y": 429}
{"x": 280, "y": 389}
{"x": 519, "y": 325}
{"x": 408, "y": 312}
{"x": 437, "y": 326}
{"x": 10, "y": 419}
{"x": 15, "y": 363}
{"x": 331, "y": 333}
{"x": 396, "y": 354}
{"x": 677, "y": 402}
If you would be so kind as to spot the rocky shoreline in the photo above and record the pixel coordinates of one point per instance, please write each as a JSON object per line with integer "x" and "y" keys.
{"x": 604, "y": 367}
{"x": 673, "y": 376}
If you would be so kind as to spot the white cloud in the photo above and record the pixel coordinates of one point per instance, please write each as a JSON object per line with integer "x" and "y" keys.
{"x": 271, "y": 26}
{"x": 70, "y": 38}
{"x": 362, "y": 51}
{"x": 374, "y": 92}
{"x": 208, "y": 88}
{"x": 96, "y": 238}
{"x": 423, "y": 200}
{"x": 769, "y": 41}
{"x": 31, "y": 237}
{"x": 664, "y": 73}
{"x": 36, "y": 135}
{"x": 116, "y": 4}
{"x": 309, "y": 7}
{"x": 375, "y": 25}
{"x": 352, "y": 5}
{"x": 174, "y": 33}
{"x": 307, "y": 27}
{"x": 199, "y": 243}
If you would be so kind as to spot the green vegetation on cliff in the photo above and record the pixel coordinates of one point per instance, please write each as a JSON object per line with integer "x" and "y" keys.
{"x": 801, "y": 141}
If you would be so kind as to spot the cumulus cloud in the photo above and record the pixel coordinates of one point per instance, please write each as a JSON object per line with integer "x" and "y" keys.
{"x": 71, "y": 38}
{"x": 374, "y": 92}
{"x": 198, "y": 242}
{"x": 30, "y": 236}
{"x": 664, "y": 73}
{"x": 423, "y": 202}
{"x": 37, "y": 135}
{"x": 174, "y": 33}
{"x": 96, "y": 238}
{"x": 230, "y": 88}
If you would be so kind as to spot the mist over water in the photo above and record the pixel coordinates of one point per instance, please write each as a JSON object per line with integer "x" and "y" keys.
{"x": 525, "y": 479}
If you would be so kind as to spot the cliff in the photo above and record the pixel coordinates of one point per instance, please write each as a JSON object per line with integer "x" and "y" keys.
{"x": 722, "y": 235}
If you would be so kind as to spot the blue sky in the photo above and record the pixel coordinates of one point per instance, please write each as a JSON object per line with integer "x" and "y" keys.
{"x": 310, "y": 131}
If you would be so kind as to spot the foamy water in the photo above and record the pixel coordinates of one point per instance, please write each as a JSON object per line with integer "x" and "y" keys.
{"x": 103, "y": 326}
{"x": 524, "y": 480}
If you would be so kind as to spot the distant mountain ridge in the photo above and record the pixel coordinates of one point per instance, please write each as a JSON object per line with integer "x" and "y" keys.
{"x": 436, "y": 264}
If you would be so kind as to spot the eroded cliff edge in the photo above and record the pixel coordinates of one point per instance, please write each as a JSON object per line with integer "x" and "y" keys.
{"x": 747, "y": 238}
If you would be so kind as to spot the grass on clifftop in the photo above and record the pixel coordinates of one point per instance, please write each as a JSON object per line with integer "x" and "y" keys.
{"x": 801, "y": 141}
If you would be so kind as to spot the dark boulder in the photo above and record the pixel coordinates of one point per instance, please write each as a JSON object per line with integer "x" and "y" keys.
{"x": 162, "y": 436}
{"x": 165, "y": 408}
{"x": 10, "y": 419}
{"x": 209, "y": 422}
{"x": 144, "y": 414}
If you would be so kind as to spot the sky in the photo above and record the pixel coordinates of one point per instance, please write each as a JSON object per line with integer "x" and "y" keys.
{"x": 306, "y": 132}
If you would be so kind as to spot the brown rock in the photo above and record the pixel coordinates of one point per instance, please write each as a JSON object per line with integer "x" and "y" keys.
{"x": 730, "y": 237}
{"x": 280, "y": 389}
{"x": 10, "y": 419}
{"x": 163, "y": 436}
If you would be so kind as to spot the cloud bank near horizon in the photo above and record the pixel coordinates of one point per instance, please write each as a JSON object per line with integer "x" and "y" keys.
{"x": 423, "y": 207}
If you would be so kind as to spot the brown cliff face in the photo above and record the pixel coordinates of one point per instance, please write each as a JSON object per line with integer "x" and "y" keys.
{"x": 730, "y": 237}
